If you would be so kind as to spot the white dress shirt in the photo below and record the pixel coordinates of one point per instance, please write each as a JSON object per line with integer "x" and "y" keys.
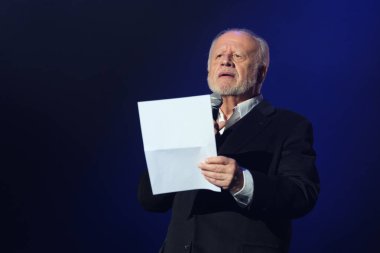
{"x": 245, "y": 195}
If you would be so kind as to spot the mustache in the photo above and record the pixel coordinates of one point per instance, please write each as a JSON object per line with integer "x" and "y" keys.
{"x": 226, "y": 73}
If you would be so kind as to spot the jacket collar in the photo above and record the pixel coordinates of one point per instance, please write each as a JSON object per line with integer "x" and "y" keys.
{"x": 246, "y": 128}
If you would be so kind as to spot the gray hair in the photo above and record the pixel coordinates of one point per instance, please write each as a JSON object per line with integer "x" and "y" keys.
{"x": 262, "y": 52}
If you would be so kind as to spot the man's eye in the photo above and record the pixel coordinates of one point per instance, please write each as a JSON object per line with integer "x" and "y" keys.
{"x": 218, "y": 56}
{"x": 239, "y": 57}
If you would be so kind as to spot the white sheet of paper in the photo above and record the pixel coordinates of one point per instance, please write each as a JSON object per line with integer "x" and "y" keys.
{"x": 177, "y": 134}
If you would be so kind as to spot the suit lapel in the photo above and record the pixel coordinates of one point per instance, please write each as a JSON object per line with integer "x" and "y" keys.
{"x": 246, "y": 128}
{"x": 234, "y": 138}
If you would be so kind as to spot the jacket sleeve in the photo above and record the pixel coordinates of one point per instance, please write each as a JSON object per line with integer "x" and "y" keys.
{"x": 150, "y": 202}
{"x": 293, "y": 189}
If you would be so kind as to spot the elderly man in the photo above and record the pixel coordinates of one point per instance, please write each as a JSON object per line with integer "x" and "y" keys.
{"x": 265, "y": 163}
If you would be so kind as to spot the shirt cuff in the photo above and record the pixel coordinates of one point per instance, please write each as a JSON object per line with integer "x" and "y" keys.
{"x": 245, "y": 195}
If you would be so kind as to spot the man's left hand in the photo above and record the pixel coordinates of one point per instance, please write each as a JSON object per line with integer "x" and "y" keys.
{"x": 223, "y": 172}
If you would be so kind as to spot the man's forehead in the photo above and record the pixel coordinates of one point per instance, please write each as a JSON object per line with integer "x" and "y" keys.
{"x": 235, "y": 38}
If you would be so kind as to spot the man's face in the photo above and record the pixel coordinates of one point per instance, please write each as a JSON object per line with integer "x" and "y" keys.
{"x": 232, "y": 67}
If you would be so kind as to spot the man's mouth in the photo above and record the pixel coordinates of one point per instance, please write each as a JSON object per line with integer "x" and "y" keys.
{"x": 226, "y": 74}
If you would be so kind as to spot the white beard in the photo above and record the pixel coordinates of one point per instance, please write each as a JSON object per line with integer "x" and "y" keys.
{"x": 237, "y": 90}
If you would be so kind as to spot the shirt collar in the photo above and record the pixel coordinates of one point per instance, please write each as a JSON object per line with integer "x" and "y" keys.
{"x": 246, "y": 106}
{"x": 240, "y": 110}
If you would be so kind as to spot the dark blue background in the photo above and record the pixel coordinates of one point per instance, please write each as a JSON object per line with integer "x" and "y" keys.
{"x": 71, "y": 73}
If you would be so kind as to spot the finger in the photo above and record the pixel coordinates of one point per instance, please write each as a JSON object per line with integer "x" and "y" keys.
{"x": 217, "y": 160}
{"x": 216, "y": 182}
{"x": 212, "y": 167}
{"x": 214, "y": 175}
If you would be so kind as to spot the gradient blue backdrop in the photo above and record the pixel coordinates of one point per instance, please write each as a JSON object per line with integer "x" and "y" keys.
{"x": 71, "y": 73}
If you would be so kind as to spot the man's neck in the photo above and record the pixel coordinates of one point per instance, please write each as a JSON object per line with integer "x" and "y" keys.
{"x": 229, "y": 103}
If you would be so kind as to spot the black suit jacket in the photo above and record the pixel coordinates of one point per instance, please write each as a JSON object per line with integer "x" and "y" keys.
{"x": 276, "y": 146}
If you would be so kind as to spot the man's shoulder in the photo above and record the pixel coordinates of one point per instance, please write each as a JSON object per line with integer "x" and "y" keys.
{"x": 285, "y": 120}
{"x": 281, "y": 113}
{"x": 290, "y": 115}
{"x": 285, "y": 123}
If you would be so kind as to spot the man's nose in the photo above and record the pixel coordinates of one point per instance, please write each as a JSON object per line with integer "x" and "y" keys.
{"x": 227, "y": 60}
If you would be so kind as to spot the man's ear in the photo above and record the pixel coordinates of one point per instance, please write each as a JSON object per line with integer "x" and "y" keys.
{"x": 261, "y": 73}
